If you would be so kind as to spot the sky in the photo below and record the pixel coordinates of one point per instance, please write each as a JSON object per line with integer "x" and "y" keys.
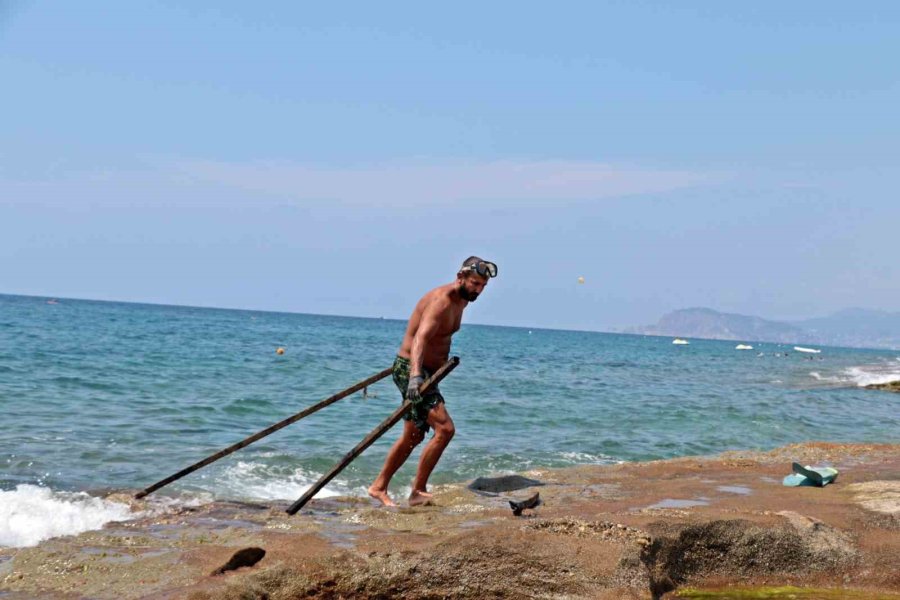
{"x": 344, "y": 159}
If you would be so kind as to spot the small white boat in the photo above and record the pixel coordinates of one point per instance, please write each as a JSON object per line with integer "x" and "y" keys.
{"x": 680, "y": 342}
{"x": 807, "y": 350}
{"x": 743, "y": 347}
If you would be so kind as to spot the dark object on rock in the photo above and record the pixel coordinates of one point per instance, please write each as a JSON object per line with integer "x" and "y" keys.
{"x": 519, "y": 506}
{"x": 491, "y": 486}
{"x": 891, "y": 386}
{"x": 246, "y": 557}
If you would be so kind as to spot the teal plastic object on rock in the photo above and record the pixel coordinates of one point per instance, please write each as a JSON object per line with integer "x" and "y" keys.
{"x": 810, "y": 476}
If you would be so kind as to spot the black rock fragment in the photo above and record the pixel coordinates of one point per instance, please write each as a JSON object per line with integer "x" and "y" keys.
{"x": 519, "y": 505}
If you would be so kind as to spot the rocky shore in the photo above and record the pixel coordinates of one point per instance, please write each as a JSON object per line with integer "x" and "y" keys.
{"x": 891, "y": 386}
{"x": 717, "y": 527}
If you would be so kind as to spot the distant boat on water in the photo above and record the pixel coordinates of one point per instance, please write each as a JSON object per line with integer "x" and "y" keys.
{"x": 807, "y": 350}
{"x": 53, "y": 301}
{"x": 680, "y": 342}
{"x": 743, "y": 347}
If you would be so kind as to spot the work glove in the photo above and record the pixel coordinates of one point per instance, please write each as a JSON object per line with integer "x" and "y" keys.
{"x": 412, "y": 390}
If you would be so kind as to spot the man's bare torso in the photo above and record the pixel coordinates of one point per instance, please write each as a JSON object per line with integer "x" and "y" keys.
{"x": 440, "y": 313}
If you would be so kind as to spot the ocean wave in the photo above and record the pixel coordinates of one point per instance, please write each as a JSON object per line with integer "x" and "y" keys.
{"x": 873, "y": 375}
{"x": 860, "y": 376}
{"x": 30, "y": 514}
{"x": 828, "y": 378}
{"x": 260, "y": 481}
{"x": 582, "y": 458}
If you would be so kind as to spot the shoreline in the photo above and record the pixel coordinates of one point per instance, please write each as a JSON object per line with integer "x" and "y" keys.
{"x": 604, "y": 531}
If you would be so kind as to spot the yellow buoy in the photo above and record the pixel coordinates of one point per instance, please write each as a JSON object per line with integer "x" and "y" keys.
{"x": 581, "y": 280}
{"x": 279, "y": 351}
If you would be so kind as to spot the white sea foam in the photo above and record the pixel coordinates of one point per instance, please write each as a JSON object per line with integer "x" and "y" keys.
{"x": 861, "y": 376}
{"x": 30, "y": 514}
{"x": 828, "y": 378}
{"x": 258, "y": 481}
{"x": 160, "y": 504}
{"x": 587, "y": 458}
{"x": 864, "y": 376}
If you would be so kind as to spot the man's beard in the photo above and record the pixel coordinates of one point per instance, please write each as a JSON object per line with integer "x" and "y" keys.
{"x": 467, "y": 295}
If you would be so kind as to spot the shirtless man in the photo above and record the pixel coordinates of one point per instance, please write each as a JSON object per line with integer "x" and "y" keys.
{"x": 425, "y": 347}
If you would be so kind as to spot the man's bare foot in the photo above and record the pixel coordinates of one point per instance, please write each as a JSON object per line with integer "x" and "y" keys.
{"x": 418, "y": 498}
{"x": 381, "y": 496}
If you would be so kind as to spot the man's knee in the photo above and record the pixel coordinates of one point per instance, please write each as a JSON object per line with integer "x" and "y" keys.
{"x": 445, "y": 431}
{"x": 414, "y": 437}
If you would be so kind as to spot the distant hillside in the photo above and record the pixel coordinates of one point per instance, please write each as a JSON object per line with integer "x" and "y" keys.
{"x": 852, "y": 327}
{"x": 856, "y": 327}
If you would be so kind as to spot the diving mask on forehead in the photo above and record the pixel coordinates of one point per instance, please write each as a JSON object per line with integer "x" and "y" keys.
{"x": 482, "y": 267}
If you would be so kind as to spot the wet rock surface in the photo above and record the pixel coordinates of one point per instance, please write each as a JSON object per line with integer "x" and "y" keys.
{"x": 893, "y": 386}
{"x": 601, "y": 532}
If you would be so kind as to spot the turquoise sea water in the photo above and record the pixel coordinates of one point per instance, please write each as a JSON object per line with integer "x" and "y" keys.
{"x": 98, "y": 395}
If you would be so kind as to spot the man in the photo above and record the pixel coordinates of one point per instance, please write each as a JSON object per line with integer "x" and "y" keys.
{"x": 425, "y": 347}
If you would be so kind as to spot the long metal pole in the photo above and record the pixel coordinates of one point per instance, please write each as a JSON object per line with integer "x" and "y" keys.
{"x": 432, "y": 381}
{"x": 256, "y": 436}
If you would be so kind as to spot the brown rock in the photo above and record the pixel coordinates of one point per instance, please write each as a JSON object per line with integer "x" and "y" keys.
{"x": 891, "y": 386}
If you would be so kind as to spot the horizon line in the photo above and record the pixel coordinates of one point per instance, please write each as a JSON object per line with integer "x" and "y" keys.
{"x": 381, "y": 318}
{"x": 290, "y": 312}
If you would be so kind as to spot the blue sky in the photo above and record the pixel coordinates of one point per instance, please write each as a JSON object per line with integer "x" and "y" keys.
{"x": 344, "y": 159}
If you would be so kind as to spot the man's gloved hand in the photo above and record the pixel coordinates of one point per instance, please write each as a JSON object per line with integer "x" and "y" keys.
{"x": 412, "y": 390}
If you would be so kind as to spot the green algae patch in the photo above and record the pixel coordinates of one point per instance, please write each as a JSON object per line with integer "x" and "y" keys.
{"x": 784, "y": 593}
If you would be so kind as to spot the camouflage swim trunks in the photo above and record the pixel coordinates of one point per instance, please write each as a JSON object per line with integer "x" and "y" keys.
{"x": 418, "y": 414}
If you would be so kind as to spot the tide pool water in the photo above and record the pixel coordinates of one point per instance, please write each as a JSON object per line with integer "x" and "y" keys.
{"x": 100, "y": 396}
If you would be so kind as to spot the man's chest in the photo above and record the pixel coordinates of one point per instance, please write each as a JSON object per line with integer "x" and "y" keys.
{"x": 450, "y": 324}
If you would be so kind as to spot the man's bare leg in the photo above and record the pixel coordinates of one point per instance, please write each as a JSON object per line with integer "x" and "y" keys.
{"x": 440, "y": 420}
{"x": 396, "y": 456}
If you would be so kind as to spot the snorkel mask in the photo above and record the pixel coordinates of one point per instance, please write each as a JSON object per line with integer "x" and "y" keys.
{"x": 482, "y": 267}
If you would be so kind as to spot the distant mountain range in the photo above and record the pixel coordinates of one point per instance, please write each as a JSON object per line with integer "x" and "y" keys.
{"x": 853, "y": 327}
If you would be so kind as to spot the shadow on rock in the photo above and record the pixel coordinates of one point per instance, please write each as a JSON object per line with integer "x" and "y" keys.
{"x": 743, "y": 549}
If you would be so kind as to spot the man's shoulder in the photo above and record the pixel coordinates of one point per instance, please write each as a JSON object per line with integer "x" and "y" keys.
{"x": 438, "y": 298}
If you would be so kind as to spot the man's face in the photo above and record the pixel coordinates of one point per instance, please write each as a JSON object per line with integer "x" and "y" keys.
{"x": 470, "y": 285}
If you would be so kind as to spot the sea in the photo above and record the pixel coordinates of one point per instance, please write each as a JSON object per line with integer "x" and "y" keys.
{"x": 98, "y": 397}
